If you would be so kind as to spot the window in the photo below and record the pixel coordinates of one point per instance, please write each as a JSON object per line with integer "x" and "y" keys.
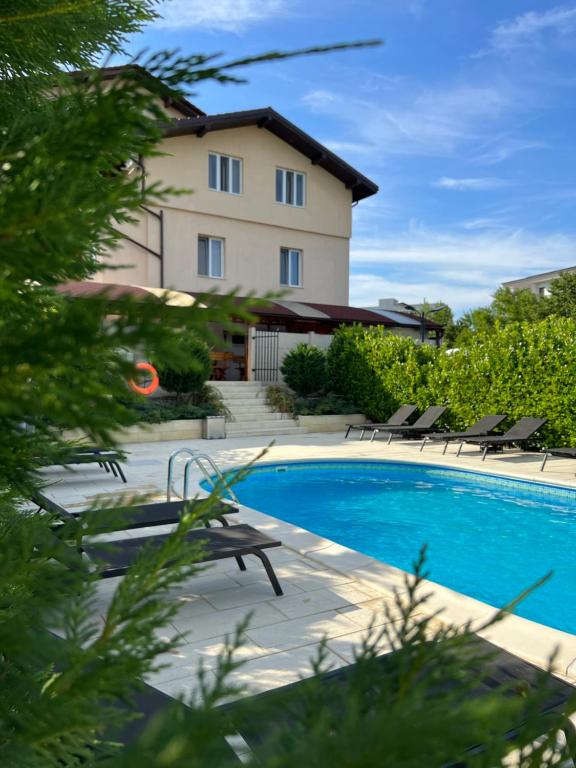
{"x": 210, "y": 257}
{"x": 225, "y": 173}
{"x": 290, "y": 267}
{"x": 290, "y": 187}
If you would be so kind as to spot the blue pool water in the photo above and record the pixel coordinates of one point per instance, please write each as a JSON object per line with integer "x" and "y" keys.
{"x": 487, "y": 537}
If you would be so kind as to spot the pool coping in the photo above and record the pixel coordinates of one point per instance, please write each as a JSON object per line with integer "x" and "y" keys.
{"x": 531, "y": 640}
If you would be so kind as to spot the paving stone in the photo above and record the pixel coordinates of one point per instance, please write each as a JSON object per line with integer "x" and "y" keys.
{"x": 319, "y": 600}
{"x": 301, "y": 631}
{"x": 225, "y": 622}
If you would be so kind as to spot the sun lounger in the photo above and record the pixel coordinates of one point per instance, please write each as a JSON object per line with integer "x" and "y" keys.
{"x": 520, "y": 433}
{"x": 564, "y": 453}
{"x": 139, "y": 515}
{"x": 107, "y": 459}
{"x": 420, "y": 427}
{"x": 482, "y": 427}
{"x": 114, "y": 558}
{"x": 398, "y": 418}
{"x": 253, "y": 720}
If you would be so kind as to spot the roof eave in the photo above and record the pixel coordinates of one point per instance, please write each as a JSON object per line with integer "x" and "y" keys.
{"x": 359, "y": 185}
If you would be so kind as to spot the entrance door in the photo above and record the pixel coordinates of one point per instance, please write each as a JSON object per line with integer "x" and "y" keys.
{"x": 265, "y": 356}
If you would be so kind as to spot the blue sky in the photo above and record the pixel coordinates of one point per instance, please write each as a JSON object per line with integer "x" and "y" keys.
{"x": 465, "y": 118}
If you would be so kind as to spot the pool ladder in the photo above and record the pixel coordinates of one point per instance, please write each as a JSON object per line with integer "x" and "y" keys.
{"x": 202, "y": 461}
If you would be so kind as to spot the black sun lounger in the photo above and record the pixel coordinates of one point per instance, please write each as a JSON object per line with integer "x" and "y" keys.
{"x": 398, "y": 418}
{"x": 114, "y": 558}
{"x": 563, "y": 453}
{"x": 420, "y": 427}
{"x": 481, "y": 428}
{"x": 107, "y": 459}
{"x": 280, "y": 706}
{"x": 254, "y": 719}
{"x": 139, "y": 515}
{"x": 520, "y": 433}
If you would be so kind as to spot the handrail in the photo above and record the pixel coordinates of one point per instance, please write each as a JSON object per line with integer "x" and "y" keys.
{"x": 171, "y": 461}
{"x": 198, "y": 459}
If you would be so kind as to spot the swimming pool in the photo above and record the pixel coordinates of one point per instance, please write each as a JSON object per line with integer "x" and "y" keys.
{"x": 488, "y": 537}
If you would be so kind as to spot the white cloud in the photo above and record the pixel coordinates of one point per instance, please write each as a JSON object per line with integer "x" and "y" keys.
{"x": 502, "y": 151}
{"x": 420, "y": 121}
{"x": 462, "y": 269}
{"x": 464, "y": 185}
{"x": 529, "y": 29}
{"x": 222, "y": 15}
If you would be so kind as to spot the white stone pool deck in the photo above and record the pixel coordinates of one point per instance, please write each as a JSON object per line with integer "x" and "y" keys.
{"x": 330, "y": 591}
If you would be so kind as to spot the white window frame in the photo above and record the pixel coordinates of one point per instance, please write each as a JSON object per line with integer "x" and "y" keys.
{"x": 290, "y": 282}
{"x": 218, "y": 185}
{"x": 284, "y": 187}
{"x": 211, "y": 257}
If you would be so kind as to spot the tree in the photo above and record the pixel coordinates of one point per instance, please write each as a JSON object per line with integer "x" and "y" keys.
{"x": 62, "y": 194}
{"x": 562, "y": 299}
{"x": 521, "y": 306}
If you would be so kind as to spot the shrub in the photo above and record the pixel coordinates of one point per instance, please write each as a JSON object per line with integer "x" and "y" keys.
{"x": 190, "y": 379}
{"x": 523, "y": 369}
{"x": 378, "y": 371}
{"x": 304, "y": 369}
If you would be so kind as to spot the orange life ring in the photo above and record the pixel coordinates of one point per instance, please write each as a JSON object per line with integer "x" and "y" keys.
{"x": 154, "y": 384}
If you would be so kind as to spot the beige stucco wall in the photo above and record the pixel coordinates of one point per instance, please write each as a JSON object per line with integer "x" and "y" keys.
{"x": 253, "y": 226}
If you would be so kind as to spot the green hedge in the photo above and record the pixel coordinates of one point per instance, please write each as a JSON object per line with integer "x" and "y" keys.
{"x": 379, "y": 371}
{"x": 524, "y": 369}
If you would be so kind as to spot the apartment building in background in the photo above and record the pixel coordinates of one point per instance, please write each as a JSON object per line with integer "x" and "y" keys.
{"x": 538, "y": 284}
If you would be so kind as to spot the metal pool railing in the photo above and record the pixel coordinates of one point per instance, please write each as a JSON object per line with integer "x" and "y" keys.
{"x": 200, "y": 460}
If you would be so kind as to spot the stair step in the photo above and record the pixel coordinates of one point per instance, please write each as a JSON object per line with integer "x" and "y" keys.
{"x": 255, "y": 431}
{"x": 256, "y": 418}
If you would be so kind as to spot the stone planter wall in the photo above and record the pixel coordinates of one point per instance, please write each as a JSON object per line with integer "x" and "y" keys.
{"x": 180, "y": 429}
{"x": 330, "y": 423}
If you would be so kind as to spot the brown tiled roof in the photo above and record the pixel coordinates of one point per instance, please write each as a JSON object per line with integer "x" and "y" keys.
{"x": 272, "y": 121}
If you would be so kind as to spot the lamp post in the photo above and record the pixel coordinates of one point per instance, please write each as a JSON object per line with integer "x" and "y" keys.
{"x": 422, "y": 317}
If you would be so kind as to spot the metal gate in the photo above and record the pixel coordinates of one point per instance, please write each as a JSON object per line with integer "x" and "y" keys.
{"x": 265, "y": 355}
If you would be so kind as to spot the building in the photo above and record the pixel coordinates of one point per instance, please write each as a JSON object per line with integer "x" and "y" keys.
{"x": 538, "y": 284}
{"x": 269, "y": 209}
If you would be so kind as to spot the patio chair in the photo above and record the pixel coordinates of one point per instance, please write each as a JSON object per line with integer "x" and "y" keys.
{"x": 483, "y": 427}
{"x": 520, "y": 433}
{"x": 139, "y": 515}
{"x": 564, "y": 453}
{"x": 107, "y": 459}
{"x": 255, "y": 718}
{"x": 398, "y": 418}
{"x": 420, "y": 427}
{"x": 114, "y": 558}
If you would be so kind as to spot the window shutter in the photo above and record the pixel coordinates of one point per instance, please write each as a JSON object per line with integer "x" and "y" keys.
{"x": 203, "y": 258}
{"x": 212, "y": 171}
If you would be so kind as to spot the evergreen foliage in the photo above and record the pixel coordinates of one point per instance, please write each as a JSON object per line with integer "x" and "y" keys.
{"x": 69, "y": 666}
{"x": 190, "y": 379}
{"x": 304, "y": 369}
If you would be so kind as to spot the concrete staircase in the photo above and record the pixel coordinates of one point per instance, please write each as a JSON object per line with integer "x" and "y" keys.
{"x": 246, "y": 401}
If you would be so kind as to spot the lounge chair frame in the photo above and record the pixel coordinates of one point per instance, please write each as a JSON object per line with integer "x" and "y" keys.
{"x": 563, "y": 453}
{"x": 482, "y": 428}
{"x": 520, "y": 432}
{"x": 422, "y": 425}
{"x": 397, "y": 419}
